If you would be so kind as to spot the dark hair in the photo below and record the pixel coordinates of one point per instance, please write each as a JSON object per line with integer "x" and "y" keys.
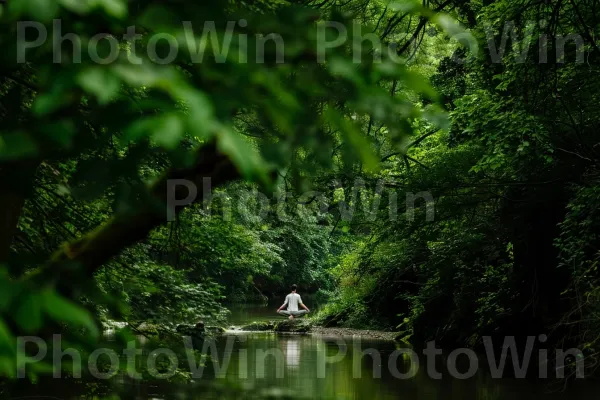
{"x": 294, "y": 287}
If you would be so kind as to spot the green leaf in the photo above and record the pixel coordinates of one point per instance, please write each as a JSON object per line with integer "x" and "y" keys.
{"x": 116, "y": 8}
{"x": 200, "y": 112}
{"x": 419, "y": 84}
{"x": 77, "y": 6}
{"x": 359, "y": 142}
{"x": 8, "y": 289}
{"x": 345, "y": 69}
{"x": 61, "y": 132}
{"x": 437, "y": 117}
{"x": 241, "y": 152}
{"x": 61, "y": 309}
{"x": 160, "y": 18}
{"x": 101, "y": 82}
{"x": 7, "y": 340}
{"x": 407, "y": 6}
{"x": 139, "y": 75}
{"x": 168, "y": 130}
{"x": 8, "y": 366}
{"x": 39, "y": 10}
{"x": 17, "y": 145}
{"x": 47, "y": 103}
{"x": 449, "y": 25}
{"x": 29, "y": 313}
{"x": 392, "y": 69}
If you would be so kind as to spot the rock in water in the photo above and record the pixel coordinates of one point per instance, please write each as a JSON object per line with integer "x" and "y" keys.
{"x": 215, "y": 330}
{"x": 259, "y": 326}
{"x": 191, "y": 330}
{"x": 295, "y": 326}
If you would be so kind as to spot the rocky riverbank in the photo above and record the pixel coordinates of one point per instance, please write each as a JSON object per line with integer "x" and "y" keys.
{"x": 349, "y": 332}
{"x": 304, "y": 326}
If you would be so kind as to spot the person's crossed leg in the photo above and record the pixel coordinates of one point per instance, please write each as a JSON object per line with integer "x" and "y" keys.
{"x": 292, "y": 314}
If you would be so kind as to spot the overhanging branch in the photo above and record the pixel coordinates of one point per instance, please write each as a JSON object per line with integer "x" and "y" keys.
{"x": 76, "y": 262}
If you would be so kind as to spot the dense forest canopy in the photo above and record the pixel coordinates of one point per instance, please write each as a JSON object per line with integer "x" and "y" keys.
{"x": 422, "y": 167}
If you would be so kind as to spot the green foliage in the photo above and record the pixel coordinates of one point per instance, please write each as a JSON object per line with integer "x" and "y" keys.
{"x": 86, "y": 147}
{"x": 513, "y": 245}
{"x": 160, "y": 294}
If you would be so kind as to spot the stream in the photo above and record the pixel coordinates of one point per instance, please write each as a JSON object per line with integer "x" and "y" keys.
{"x": 304, "y": 353}
{"x": 270, "y": 365}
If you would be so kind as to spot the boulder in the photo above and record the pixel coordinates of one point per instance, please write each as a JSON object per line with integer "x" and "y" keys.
{"x": 294, "y": 326}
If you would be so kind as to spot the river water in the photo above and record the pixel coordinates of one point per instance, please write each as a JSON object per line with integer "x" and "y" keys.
{"x": 355, "y": 376}
{"x": 268, "y": 365}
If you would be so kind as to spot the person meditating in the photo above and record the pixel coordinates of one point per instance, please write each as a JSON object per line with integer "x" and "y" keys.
{"x": 292, "y": 301}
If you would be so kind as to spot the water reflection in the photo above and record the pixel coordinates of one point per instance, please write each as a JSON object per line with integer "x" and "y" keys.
{"x": 302, "y": 355}
{"x": 267, "y": 365}
{"x": 292, "y": 353}
{"x": 296, "y": 370}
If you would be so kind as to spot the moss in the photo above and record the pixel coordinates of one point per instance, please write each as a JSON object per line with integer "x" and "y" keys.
{"x": 295, "y": 326}
{"x": 259, "y": 326}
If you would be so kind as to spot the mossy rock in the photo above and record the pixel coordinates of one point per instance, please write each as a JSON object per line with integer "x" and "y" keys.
{"x": 259, "y": 326}
{"x": 148, "y": 329}
{"x": 199, "y": 330}
{"x": 113, "y": 325}
{"x": 215, "y": 330}
{"x": 294, "y": 326}
{"x": 190, "y": 330}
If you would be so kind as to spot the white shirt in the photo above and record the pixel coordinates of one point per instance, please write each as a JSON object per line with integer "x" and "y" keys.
{"x": 292, "y": 300}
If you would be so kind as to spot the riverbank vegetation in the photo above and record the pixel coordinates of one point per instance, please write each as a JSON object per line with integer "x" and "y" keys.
{"x": 438, "y": 178}
{"x": 513, "y": 247}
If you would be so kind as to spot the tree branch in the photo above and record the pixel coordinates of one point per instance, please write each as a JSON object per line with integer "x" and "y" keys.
{"x": 76, "y": 262}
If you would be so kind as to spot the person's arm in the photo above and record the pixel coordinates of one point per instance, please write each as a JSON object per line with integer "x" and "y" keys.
{"x": 284, "y": 304}
{"x": 302, "y": 304}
